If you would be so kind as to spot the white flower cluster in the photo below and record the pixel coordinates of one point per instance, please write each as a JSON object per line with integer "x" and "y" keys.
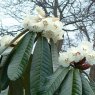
{"x": 50, "y": 27}
{"x": 5, "y": 40}
{"x": 75, "y": 54}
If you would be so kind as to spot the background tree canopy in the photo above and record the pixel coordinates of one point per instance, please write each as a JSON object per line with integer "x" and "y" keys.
{"x": 77, "y": 16}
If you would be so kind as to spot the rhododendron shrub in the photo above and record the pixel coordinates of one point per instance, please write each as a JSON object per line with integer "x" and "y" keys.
{"x": 27, "y": 61}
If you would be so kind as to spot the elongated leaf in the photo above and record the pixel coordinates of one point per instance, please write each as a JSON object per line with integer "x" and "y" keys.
{"x": 86, "y": 89}
{"x": 16, "y": 87}
{"x": 41, "y": 66}
{"x": 19, "y": 60}
{"x": 67, "y": 84}
{"x": 55, "y": 81}
{"x": 3, "y": 60}
{"x": 26, "y": 78}
{"x": 77, "y": 84}
{"x": 4, "y": 80}
{"x": 72, "y": 84}
{"x": 54, "y": 52}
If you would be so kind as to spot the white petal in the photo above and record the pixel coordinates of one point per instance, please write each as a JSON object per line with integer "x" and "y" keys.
{"x": 40, "y": 11}
{"x": 64, "y": 59}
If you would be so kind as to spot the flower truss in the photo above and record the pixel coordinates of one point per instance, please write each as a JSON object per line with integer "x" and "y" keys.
{"x": 50, "y": 27}
{"x": 81, "y": 57}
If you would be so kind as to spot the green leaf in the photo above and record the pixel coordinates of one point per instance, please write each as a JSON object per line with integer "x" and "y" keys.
{"x": 26, "y": 78}
{"x": 4, "y": 80}
{"x": 41, "y": 66}
{"x": 55, "y": 81}
{"x": 16, "y": 87}
{"x": 77, "y": 84}
{"x": 3, "y": 60}
{"x": 67, "y": 84}
{"x": 86, "y": 89}
{"x": 72, "y": 84}
{"x": 20, "y": 59}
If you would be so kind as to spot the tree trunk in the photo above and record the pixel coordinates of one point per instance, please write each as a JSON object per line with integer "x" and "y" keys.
{"x": 92, "y": 73}
{"x": 92, "y": 70}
